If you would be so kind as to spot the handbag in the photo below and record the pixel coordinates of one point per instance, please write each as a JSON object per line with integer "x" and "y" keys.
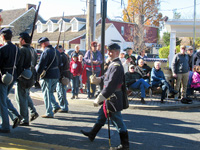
{"x": 7, "y": 78}
{"x": 42, "y": 75}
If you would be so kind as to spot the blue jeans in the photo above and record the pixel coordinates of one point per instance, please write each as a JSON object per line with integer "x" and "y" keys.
{"x": 30, "y": 104}
{"x": 116, "y": 119}
{"x": 48, "y": 86}
{"x": 61, "y": 92}
{"x": 21, "y": 96}
{"x": 5, "y": 105}
{"x": 91, "y": 94}
{"x": 142, "y": 85}
{"x": 75, "y": 85}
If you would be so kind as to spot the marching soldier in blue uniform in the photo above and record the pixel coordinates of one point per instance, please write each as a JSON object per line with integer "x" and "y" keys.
{"x": 61, "y": 87}
{"x": 24, "y": 83}
{"x": 9, "y": 56}
{"x": 113, "y": 98}
{"x": 48, "y": 70}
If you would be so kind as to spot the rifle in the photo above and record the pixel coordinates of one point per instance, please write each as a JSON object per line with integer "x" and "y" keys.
{"x": 35, "y": 19}
{"x": 60, "y": 32}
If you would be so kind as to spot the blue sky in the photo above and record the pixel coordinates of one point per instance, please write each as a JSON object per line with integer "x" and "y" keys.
{"x": 50, "y": 8}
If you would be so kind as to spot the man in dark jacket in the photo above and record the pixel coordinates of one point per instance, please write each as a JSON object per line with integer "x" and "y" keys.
{"x": 22, "y": 93}
{"x": 143, "y": 69}
{"x": 112, "y": 98}
{"x": 9, "y": 56}
{"x": 60, "y": 87}
{"x": 135, "y": 81}
{"x": 48, "y": 62}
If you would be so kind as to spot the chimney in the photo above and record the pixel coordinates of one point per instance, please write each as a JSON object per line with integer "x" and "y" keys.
{"x": 29, "y": 6}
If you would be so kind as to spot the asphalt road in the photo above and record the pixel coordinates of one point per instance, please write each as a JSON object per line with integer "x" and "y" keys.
{"x": 148, "y": 130}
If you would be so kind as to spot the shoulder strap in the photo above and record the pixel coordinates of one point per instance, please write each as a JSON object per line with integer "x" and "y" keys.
{"x": 52, "y": 60}
{"x": 15, "y": 60}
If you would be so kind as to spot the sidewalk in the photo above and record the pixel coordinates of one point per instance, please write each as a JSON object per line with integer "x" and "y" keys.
{"x": 134, "y": 102}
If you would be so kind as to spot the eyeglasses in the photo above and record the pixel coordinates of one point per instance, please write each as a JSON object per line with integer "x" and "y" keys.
{"x": 132, "y": 68}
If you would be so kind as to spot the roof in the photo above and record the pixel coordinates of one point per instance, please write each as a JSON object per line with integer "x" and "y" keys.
{"x": 98, "y": 16}
{"x": 10, "y": 15}
{"x": 53, "y": 36}
{"x": 81, "y": 19}
{"x": 53, "y": 20}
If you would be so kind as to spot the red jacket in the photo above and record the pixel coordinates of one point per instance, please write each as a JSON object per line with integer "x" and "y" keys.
{"x": 75, "y": 67}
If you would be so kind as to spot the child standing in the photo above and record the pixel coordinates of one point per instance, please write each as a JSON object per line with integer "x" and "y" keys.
{"x": 76, "y": 70}
{"x": 80, "y": 59}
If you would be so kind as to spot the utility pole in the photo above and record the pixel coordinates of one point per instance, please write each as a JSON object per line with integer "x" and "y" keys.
{"x": 194, "y": 31}
{"x": 90, "y": 22}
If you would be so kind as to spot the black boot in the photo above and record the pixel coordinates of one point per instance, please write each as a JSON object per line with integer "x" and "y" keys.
{"x": 142, "y": 100}
{"x": 173, "y": 91}
{"x": 92, "y": 134}
{"x": 124, "y": 142}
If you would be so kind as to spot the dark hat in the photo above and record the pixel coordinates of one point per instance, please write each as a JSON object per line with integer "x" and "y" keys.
{"x": 74, "y": 55}
{"x": 94, "y": 44}
{"x": 114, "y": 46}
{"x": 5, "y": 31}
{"x": 24, "y": 35}
{"x": 42, "y": 40}
{"x": 59, "y": 46}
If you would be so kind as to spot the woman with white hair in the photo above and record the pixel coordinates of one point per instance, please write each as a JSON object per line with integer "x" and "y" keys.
{"x": 158, "y": 80}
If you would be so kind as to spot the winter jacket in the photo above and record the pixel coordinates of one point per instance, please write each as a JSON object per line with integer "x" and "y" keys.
{"x": 75, "y": 68}
{"x": 156, "y": 77}
{"x": 131, "y": 78}
{"x": 180, "y": 64}
{"x": 143, "y": 71}
{"x": 195, "y": 80}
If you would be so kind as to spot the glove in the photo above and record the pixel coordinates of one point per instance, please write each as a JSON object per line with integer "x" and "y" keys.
{"x": 95, "y": 80}
{"x": 100, "y": 98}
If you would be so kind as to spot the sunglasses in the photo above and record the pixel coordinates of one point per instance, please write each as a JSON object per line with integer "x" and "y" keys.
{"x": 132, "y": 67}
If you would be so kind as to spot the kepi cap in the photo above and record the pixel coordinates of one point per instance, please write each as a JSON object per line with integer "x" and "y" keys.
{"x": 5, "y": 31}
{"x": 24, "y": 35}
{"x": 42, "y": 40}
{"x": 114, "y": 46}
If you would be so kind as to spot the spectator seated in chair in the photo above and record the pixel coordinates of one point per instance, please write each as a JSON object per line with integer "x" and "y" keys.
{"x": 158, "y": 80}
{"x": 143, "y": 69}
{"x": 135, "y": 81}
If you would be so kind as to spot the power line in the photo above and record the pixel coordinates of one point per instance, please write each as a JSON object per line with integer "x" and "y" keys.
{"x": 179, "y": 8}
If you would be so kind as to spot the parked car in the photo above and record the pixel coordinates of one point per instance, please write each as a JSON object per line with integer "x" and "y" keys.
{"x": 39, "y": 52}
{"x": 152, "y": 55}
{"x": 69, "y": 51}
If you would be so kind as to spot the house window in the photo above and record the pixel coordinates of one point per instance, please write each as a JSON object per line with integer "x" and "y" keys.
{"x": 131, "y": 31}
{"x": 50, "y": 27}
{"x": 122, "y": 30}
{"x": 39, "y": 28}
{"x": 75, "y": 26}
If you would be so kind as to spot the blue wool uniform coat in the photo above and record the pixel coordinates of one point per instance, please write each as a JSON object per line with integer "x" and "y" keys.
{"x": 45, "y": 60}
{"x": 113, "y": 79}
{"x": 7, "y": 58}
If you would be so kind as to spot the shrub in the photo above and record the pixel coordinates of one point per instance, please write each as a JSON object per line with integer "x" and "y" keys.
{"x": 164, "y": 51}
